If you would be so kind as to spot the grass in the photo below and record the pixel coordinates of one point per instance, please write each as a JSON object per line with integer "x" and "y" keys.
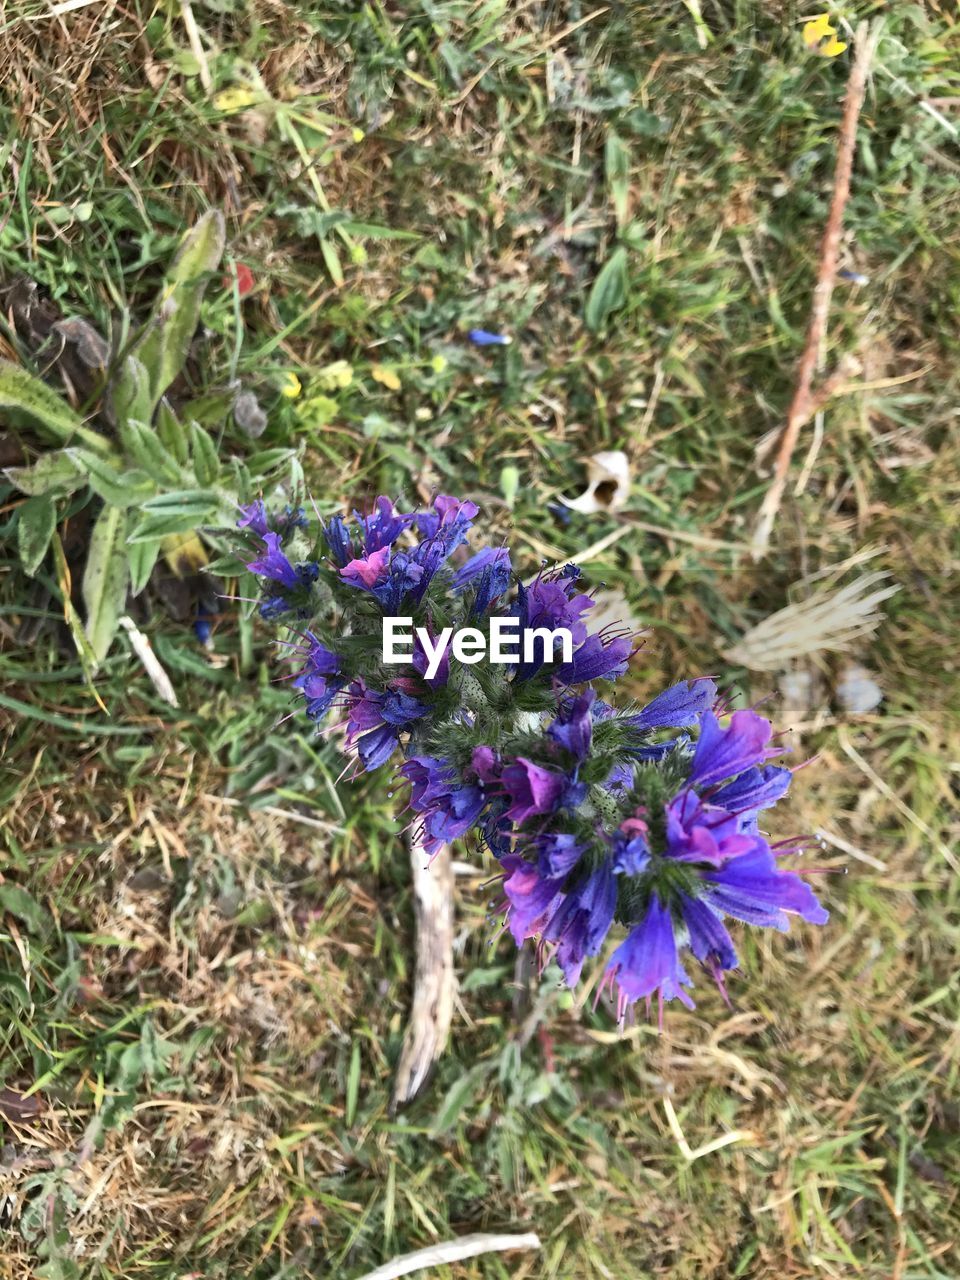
{"x": 208, "y": 997}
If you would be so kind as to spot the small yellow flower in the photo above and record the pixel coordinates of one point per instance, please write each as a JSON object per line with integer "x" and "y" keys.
{"x": 386, "y": 376}
{"x": 333, "y": 377}
{"x": 233, "y": 100}
{"x": 819, "y": 29}
{"x": 438, "y": 364}
{"x": 291, "y": 385}
{"x": 358, "y": 135}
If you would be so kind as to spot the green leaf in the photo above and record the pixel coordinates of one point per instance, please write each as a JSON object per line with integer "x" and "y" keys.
{"x": 105, "y": 579}
{"x": 268, "y": 460}
{"x": 509, "y": 484}
{"x": 14, "y": 983}
{"x": 162, "y": 347}
{"x": 609, "y": 291}
{"x": 24, "y": 396}
{"x": 36, "y": 521}
{"x": 172, "y": 435}
{"x": 130, "y": 393}
{"x": 458, "y": 1096}
{"x": 53, "y": 472}
{"x": 116, "y": 487}
{"x": 149, "y": 528}
{"x": 198, "y": 503}
{"x": 142, "y": 556}
{"x": 24, "y": 906}
{"x": 206, "y": 463}
{"x": 353, "y": 1084}
{"x": 143, "y": 444}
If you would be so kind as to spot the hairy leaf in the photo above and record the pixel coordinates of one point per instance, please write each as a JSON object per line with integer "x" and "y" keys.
{"x": 24, "y": 396}
{"x": 609, "y": 291}
{"x": 54, "y": 472}
{"x": 206, "y": 464}
{"x": 162, "y": 347}
{"x": 116, "y": 487}
{"x": 144, "y": 446}
{"x": 105, "y": 579}
{"x": 36, "y": 521}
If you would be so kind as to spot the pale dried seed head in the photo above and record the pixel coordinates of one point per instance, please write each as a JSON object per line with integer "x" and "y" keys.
{"x": 825, "y": 620}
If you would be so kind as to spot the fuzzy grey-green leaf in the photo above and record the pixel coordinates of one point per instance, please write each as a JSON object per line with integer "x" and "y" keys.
{"x": 105, "y": 579}
{"x": 144, "y": 446}
{"x": 23, "y": 396}
{"x": 116, "y": 487}
{"x": 53, "y": 472}
{"x": 609, "y": 291}
{"x": 36, "y": 521}
{"x": 142, "y": 556}
{"x": 162, "y": 347}
{"x": 206, "y": 464}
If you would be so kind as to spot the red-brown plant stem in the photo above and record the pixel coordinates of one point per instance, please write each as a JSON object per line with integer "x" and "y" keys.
{"x": 799, "y": 411}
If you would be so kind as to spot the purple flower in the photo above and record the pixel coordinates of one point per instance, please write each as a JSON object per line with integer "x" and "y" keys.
{"x": 530, "y": 896}
{"x": 630, "y": 850}
{"x": 677, "y": 706}
{"x": 595, "y": 659}
{"x": 557, "y": 854}
{"x": 450, "y": 806}
{"x": 383, "y": 527}
{"x": 375, "y": 719}
{"x": 452, "y": 816}
{"x": 376, "y": 747}
{"x": 254, "y": 517}
{"x": 722, "y": 753}
{"x": 337, "y": 538}
{"x": 490, "y": 570}
{"x": 421, "y": 661}
{"x": 706, "y": 933}
{"x": 755, "y": 789}
{"x": 582, "y": 920}
{"x": 317, "y": 679}
{"x": 532, "y": 789}
{"x": 549, "y": 603}
{"x": 429, "y": 779}
{"x": 449, "y": 521}
{"x": 367, "y": 572}
{"x": 647, "y": 962}
{"x": 698, "y": 832}
{"x": 573, "y": 727}
{"x": 273, "y": 564}
{"x": 485, "y": 763}
{"x": 481, "y": 338}
{"x": 753, "y": 888}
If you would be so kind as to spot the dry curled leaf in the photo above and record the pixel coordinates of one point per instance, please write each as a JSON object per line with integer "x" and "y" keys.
{"x": 16, "y": 1108}
{"x": 608, "y": 484}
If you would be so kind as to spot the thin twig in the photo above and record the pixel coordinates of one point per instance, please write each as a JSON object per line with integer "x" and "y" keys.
{"x": 799, "y": 411}
{"x": 716, "y": 1144}
{"x": 196, "y": 45}
{"x": 151, "y": 663}
{"x": 439, "y": 1255}
{"x": 434, "y": 982}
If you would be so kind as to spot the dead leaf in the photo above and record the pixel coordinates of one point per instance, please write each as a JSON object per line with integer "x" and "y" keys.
{"x": 16, "y": 1108}
{"x": 608, "y": 484}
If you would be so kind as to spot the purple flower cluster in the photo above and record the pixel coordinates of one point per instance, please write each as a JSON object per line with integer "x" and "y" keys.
{"x": 641, "y": 820}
